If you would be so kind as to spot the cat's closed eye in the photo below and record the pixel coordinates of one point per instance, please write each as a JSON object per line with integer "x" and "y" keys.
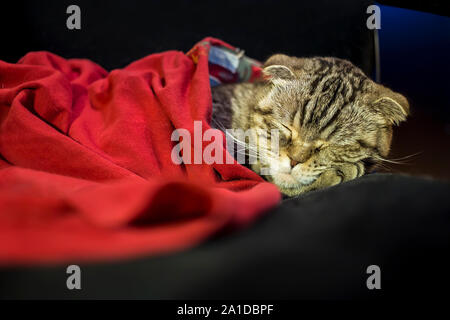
{"x": 285, "y": 133}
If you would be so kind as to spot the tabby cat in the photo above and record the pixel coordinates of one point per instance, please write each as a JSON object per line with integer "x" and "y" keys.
{"x": 334, "y": 122}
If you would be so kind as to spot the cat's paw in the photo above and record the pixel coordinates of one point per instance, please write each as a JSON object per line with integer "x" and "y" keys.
{"x": 328, "y": 178}
{"x": 350, "y": 171}
{"x": 334, "y": 176}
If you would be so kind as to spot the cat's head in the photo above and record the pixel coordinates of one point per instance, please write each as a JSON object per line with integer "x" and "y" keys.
{"x": 329, "y": 115}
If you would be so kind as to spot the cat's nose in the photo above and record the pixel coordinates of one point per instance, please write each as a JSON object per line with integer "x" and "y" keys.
{"x": 294, "y": 163}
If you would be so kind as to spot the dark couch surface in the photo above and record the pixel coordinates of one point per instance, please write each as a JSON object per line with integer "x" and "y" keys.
{"x": 315, "y": 246}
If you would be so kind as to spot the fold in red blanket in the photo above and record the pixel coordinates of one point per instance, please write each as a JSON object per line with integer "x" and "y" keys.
{"x": 85, "y": 160}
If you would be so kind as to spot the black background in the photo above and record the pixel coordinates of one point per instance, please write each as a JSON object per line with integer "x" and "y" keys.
{"x": 115, "y": 33}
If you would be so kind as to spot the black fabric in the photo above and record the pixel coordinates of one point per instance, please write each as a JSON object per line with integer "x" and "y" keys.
{"x": 316, "y": 246}
{"x": 115, "y": 33}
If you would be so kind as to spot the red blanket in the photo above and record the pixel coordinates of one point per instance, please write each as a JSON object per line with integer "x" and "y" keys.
{"x": 85, "y": 160}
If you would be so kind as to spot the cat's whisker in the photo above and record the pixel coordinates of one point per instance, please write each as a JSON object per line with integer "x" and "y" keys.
{"x": 256, "y": 148}
{"x": 383, "y": 167}
{"x": 379, "y": 158}
{"x": 247, "y": 154}
{"x": 397, "y": 160}
{"x": 247, "y": 148}
{"x": 407, "y": 156}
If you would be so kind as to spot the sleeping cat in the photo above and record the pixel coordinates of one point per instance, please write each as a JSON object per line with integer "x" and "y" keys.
{"x": 334, "y": 122}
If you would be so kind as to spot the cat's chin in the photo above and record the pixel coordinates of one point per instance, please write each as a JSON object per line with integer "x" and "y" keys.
{"x": 285, "y": 180}
{"x": 291, "y": 185}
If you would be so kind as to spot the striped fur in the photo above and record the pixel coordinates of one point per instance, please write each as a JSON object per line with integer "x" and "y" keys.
{"x": 333, "y": 120}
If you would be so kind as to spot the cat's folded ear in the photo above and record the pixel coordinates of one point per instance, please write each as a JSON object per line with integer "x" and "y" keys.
{"x": 278, "y": 59}
{"x": 279, "y": 72}
{"x": 393, "y": 106}
{"x": 277, "y": 67}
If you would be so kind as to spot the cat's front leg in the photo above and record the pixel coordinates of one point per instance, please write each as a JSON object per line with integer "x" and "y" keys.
{"x": 328, "y": 178}
{"x": 349, "y": 171}
{"x": 336, "y": 175}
